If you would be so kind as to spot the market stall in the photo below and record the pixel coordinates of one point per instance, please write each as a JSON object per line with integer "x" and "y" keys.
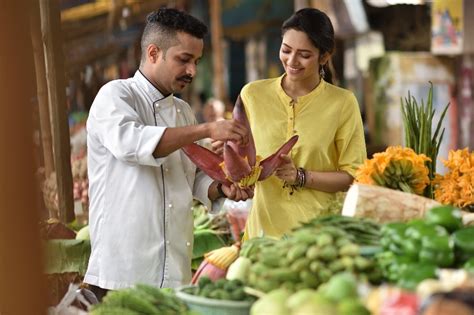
{"x": 400, "y": 240}
{"x": 402, "y": 243}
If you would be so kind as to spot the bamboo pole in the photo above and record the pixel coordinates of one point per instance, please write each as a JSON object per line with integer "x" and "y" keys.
{"x": 22, "y": 289}
{"x": 55, "y": 75}
{"x": 217, "y": 55}
{"x": 41, "y": 88}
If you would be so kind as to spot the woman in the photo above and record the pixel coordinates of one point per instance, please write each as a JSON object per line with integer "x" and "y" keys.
{"x": 327, "y": 119}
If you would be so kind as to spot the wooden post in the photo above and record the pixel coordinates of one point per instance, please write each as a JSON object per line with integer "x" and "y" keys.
{"x": 22, "y": 289}
{"x": 219, "y": 88}
{"x": 41, "y": 88}
{"x": 55, "y": 75}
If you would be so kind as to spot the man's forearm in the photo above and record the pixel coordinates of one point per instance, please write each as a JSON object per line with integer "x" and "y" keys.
{"x": 175, "y": 138}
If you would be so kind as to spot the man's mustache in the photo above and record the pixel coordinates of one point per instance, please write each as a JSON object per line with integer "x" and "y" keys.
{"x": 186, "y": 78}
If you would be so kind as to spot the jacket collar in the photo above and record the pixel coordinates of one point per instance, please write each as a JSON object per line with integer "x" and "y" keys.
{"x": 154, "y": 93}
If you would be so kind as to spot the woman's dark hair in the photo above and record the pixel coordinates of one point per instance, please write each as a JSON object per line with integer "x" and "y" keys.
{"x": 318, "y": 27}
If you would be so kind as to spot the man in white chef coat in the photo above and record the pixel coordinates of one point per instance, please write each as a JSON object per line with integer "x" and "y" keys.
{"x": 141, "y": 185}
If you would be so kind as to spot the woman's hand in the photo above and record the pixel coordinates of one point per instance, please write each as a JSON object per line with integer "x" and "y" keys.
{"x": 287, "y": 171}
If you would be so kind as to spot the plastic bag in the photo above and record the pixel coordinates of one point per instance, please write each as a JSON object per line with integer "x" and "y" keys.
{"x": 237, "y": 214}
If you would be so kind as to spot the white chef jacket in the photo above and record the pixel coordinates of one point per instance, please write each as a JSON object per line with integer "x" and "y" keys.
{"x": 140, "y": 215}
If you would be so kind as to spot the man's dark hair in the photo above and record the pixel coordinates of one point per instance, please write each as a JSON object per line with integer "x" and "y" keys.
{"x": 162, "y": 25}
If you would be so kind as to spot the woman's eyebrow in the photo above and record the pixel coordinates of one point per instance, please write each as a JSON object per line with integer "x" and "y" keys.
{"x": 302, "y": 50}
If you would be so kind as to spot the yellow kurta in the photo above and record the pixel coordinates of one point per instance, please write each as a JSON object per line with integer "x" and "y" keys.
{"x": 331, "y": 138}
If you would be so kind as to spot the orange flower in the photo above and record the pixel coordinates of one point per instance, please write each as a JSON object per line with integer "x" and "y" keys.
{"x": 397, "y": 168}
{"x": 456, "y": 187}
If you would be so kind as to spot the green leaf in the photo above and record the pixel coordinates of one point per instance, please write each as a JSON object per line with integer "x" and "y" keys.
{"x": 440, "y": 122}
{"x": 418, "y": 124}
{"x": 205, "y": 241}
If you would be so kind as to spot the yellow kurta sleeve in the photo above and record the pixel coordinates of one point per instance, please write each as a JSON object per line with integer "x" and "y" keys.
{"x": 350, "y": 142}
{"x": 331, "y": 138}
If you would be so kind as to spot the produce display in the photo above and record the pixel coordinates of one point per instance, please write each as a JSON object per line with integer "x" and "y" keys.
{"x": 140, "y": 300}
{"x": 308, "y": 258}
{"x": 339, "y": 297}
{"x": 362, "y": 231}
{"x": 216, "y": 262}
{"x": 402, "y": 244}
{"x": 456, "y": 187}
{"x": 396, "y": 168}
{"x": 222, "y": 289}
{"x": 210, "y": 232}
{"x": 419, "y": 136}
{"x": 414, "y": 250}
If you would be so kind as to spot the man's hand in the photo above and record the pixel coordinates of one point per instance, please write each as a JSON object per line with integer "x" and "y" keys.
{"x": 229, "y": 130}
{"x": 234, "y": 192}
{"x": 287, "y": 171}
{"x": 217, "y": 146}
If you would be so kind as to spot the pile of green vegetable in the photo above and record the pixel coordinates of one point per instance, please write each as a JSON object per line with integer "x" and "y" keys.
{"x": 362, "y": 231}
{"x": 308, "y": 258}
{"x": 414, "y": 250}
{"x": 221, "y": 289}
{"x": 338, "y": 296}
{"x": 141, "y": 300}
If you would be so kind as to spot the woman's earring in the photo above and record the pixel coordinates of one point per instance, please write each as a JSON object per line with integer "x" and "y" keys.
{"x": 322, "y": 73}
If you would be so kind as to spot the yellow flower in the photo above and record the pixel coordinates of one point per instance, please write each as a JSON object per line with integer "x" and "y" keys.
{"x": 397, "y": 168}
{"x": 456, "y": 187}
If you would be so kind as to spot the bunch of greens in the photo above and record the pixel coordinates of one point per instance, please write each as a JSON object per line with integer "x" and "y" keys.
{"x": 418, "y": 121}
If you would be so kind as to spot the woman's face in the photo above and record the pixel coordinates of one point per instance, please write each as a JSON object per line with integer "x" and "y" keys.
{"x": 299, "y": 57}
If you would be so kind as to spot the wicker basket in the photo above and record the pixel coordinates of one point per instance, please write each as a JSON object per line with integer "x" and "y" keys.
{"x": 206, "y": 306}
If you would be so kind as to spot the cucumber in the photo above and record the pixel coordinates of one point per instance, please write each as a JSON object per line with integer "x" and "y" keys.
{"x": 309, "y": 279}
{"x": 328, "y": 253}
{"x": 300, "y": 264}
{"x": 296, "y": 252}
{"x": 313, "y": 252}
{"x": 282, "y": 274}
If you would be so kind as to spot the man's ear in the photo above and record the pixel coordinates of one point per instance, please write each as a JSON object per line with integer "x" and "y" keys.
{"x": 153, "y": 53}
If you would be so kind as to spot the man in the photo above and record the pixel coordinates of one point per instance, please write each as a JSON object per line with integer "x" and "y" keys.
{"x": 141, "y": 185}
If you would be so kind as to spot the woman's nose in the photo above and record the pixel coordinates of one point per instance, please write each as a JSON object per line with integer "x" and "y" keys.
{"x": 292, "y": 59}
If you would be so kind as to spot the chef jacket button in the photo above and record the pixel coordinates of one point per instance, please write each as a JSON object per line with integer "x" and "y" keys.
{"x": 178, "y": 110}
{"x": 157, "y": 105}
{"x": 188, "y": 243}
{"x": 166, "y": 170}
{"x": 170, "y": 205}
{"x": 167, "y": 242}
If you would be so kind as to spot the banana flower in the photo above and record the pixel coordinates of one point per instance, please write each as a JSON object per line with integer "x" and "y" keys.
{"x": 239, "y": 163}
